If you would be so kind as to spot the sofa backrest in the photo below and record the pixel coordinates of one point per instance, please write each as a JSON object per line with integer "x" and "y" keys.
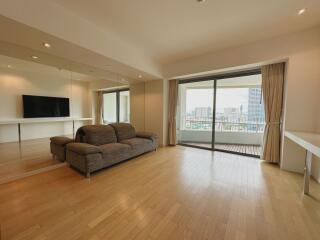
{"x": 96, "y": 134}
{"x": 124, "y": 131}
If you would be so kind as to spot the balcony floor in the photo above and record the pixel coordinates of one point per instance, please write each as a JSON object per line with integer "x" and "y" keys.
{"x": 237, "y": 148}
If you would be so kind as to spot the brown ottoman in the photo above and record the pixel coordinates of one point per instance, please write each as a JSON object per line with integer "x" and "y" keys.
{"x": 58, "y": 147}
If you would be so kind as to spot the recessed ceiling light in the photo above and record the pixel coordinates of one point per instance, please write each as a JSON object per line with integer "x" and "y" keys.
{"x": 201, "y": 1}
{"x": 302, "y": 11}
{"x": 47, "y": 45}
{"x": 9, "y": 66}
{"x": 35, "y": 57}
{"x": 139, "y": 76}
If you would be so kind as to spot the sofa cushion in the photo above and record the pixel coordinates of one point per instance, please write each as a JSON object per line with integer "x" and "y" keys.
{"x": 96, "y": 134}
{"x": 115, "y": 152}
{"x": 124, "y": 131}
{"x": 139, "y": 145}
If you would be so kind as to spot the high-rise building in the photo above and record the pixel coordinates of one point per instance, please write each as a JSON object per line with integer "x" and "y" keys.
{"x": 202, "y": 112}
{"x": 255, "y": 108}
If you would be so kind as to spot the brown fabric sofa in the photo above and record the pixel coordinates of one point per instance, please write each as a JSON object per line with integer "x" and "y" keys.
{"x": 100, "y": 146}
{"x": 58, "y": 147}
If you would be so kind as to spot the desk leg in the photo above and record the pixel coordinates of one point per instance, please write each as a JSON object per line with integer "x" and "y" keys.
{"x": 73, "y": 129}
{"x": 19, "y": 132}
{"x": 19, "y": 139}
{"x": 307, "y": 172}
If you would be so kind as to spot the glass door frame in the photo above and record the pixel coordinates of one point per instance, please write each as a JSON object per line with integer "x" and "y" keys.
{"x": 117, "y": 91}
{"x": 216, "y": 78}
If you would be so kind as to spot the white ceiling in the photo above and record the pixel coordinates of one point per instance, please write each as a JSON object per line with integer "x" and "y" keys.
{"x": 170, "y": 30}
{"x": 16, "y": 64}
{"x": 22, "y": 42}
{"x": 119, "y": 40}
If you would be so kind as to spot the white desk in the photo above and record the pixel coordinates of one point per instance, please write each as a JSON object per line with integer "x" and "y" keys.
{"x": 20, "y": 121}
{"x": 310, "y": 142}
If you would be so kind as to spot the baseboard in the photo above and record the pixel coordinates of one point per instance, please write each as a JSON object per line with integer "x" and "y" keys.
{"x": 31, "y": 173}
{"x": 294, "y": 170}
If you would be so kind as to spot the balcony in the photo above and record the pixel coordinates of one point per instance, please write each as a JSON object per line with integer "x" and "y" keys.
{"x": 240, "y": 137}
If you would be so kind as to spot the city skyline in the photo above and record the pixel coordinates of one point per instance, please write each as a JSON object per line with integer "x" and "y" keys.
{"x": 247, "y": 108}
{"x": 227, "y": 97}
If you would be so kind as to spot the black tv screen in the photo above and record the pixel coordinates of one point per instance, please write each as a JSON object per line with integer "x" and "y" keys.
{"x": 39, "y": 106}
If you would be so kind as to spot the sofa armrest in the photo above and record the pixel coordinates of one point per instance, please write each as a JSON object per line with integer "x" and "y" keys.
{"x": 83, "y": 148}
{"x": 61, "y": 141}
{"x": 147, "y": 135}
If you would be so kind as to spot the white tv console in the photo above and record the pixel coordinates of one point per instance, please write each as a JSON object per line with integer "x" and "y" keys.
{"x": 19, "y": 121}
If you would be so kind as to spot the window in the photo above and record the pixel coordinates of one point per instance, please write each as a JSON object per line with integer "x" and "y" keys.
{"x": 116, "y": 106}
{"x": 110, "y": 107}
{"x": 124, "y": 106}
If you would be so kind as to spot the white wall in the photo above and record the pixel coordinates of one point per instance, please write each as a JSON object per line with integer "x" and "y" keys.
{"x": 302, "y": 52}
{"x": 14, "y": 83}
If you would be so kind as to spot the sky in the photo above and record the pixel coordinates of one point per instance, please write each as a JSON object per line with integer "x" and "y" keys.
{"x": 226, "y": 97}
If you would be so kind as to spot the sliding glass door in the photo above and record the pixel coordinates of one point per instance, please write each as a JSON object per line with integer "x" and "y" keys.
{"x": 224, "y": 114}
{"x": 239, "y": 119}
{"x": 196, "y": 111}
{"x": 116, "y": 106}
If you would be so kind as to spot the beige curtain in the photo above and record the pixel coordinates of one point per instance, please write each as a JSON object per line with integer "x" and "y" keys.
{"x": 173, "y": 99}
{"x": 272, "y": 90}
{"x": 98, "y": 109}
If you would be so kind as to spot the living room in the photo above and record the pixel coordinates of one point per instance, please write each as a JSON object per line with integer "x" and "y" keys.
{"x": 174, "y": 121}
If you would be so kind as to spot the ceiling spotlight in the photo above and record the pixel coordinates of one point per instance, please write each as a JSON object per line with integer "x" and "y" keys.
{"x": 9, "y": 66}
{"x": 139, "y": 76}
{"x": 35, "y": 57}
{"x": 302, "y": 11}
{"x": 47, "y": 45}
{"x": 201, "y": 1}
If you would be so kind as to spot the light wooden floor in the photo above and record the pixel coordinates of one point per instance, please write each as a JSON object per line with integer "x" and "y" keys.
{"x": 174, "y": 193}
{"x": 31, "y": 155}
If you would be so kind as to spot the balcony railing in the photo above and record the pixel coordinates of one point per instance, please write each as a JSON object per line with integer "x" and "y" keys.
{"x": 224, "y": 126}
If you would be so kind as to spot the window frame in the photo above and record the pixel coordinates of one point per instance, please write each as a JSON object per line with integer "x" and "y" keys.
{"x": 117, "y": 91}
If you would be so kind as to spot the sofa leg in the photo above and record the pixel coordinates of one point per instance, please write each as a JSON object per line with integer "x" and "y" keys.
{"x": 88, "y": 175}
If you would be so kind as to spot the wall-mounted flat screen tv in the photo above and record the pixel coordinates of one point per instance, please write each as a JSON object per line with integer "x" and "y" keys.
{"x": 39, "y": 106}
